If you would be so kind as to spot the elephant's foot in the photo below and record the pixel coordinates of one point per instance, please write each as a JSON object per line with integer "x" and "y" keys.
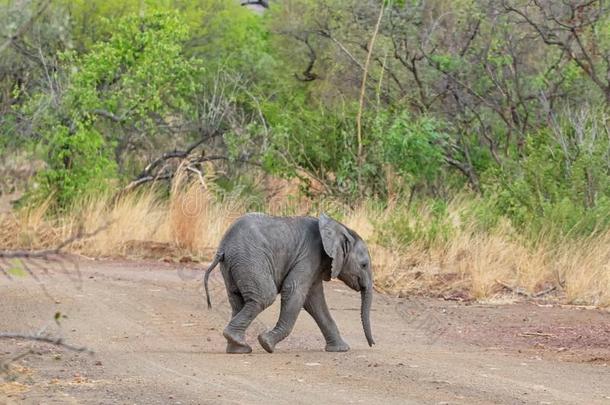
{"x": 238, "y": 349}
{"x": 266, "y": 340}
{"x": 337, "y": 347}
{"x": 234, "y": 338}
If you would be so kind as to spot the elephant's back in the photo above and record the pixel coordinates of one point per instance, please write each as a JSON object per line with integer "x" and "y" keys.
{"x": 266, "y": 238}
{"x": 258, "y": 228}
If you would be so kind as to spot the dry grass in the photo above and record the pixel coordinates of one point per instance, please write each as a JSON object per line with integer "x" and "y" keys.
{"x": 195, "y": 221}
{"x": 138, "y": 225}
{"x": 486, "y": 265}
{"x": 584, "y": 270}
{"x": 469, "y": 264}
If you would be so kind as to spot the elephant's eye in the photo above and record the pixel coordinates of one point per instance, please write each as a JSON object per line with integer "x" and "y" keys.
{"x": 363, "y": 265}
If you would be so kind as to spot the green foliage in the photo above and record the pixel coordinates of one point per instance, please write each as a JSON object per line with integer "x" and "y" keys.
{"x": 320, "y": 145}
{"x": 220, "y": 33}
{"x": 427, "y": 224}
{"x": 138, "y": 74}
{"x": 562, "y": 183}
{"x": 79, "y": 163}
{"x": 446, "y": 62}
{"x": 481, "y": 215}
{"x": 414, "y": 147}
{"x": 452, "y": 106}
{"x": 313, "y": 143}
{"x": 139, "y": 71}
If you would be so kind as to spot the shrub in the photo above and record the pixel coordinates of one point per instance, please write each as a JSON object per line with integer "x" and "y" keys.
{"x": 126, "y": 82}
{"x": 561, "y": 184}
{"x": 425, "y": 224}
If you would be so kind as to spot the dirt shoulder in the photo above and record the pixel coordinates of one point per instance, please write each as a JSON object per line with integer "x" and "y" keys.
{"x": 155, "y": 342}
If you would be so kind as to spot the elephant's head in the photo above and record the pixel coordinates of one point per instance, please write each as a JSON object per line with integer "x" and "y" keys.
{"x": 351, "y": 263}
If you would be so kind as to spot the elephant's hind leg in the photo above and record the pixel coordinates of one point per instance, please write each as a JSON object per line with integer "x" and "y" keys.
{"x": 236, "y": 300}
{"x": 237, "y": 304}
{"x": 236, "y": 343}
{"x": 235, "y": 332}
{"x": 253, "y": 295}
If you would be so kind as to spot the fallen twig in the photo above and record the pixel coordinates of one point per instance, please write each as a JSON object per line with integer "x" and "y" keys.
{"x": 545, "y": 292}
{"x": 39, "y": 337}
{"x": 46, "y": 339}
{"x": 516, "y": 290}
{"x": 535, "y": 334}
{"x": 521, "y": 291}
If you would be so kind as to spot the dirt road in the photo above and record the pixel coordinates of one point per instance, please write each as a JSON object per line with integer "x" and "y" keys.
{"x": 155, "y": 342}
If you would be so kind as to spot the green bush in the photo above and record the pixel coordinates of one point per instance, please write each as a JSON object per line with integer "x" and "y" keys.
{"x": 561, "y": 184}
{"x": 426, "y": 223}
{"x": 139, "y": 73}
{"x": 78, "y": 164}
{"x": 322, "y": 143}
{"x": 414, "y": 147}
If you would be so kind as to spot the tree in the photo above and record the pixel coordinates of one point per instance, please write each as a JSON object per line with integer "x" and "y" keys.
{"x": 120, "y": 94}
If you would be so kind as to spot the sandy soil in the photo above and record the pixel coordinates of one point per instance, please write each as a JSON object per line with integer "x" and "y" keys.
{"x": 155, "y": 342}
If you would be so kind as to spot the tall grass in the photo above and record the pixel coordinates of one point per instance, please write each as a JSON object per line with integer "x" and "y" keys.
{"x": 139, "y": 224}
{"x": 415, "y": 250}
{"x": 451, "y": 255}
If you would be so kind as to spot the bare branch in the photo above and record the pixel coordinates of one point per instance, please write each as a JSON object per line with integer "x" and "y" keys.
{"x": 169, "y": 175}
{"x": 38, "y": 337}
{"x": 327, "y": 34}
{"x": 107, "y": 114}
{"x": 363, "y": 87}
{"x": 308, "y": 75}
{"x": 567, "y": 36}
{"x": 181, "y": 154}
{"x": 262, "y": 3}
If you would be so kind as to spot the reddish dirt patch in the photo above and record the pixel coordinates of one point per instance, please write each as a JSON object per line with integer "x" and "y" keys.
{"x": 551, "y": 331}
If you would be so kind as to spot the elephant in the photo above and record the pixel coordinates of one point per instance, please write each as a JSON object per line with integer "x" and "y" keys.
{"x": 262, "y": 256}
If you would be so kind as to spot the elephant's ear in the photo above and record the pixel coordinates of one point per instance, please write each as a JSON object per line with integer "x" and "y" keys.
{"x": 337, "y": 242}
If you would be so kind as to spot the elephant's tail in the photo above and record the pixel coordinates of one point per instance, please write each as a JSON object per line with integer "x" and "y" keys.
{"x": 218, "y": 257}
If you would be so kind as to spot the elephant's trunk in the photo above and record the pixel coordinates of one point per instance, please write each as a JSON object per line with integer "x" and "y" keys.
{"x": 365, "y": 312}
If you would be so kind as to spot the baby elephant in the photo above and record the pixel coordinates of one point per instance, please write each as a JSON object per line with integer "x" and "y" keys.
{"x": 262, "y": 256}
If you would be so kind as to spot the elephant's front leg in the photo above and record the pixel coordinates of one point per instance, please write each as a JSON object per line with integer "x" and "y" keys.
{"x": 316, "y": 306}
{"x": 294, "y": 293}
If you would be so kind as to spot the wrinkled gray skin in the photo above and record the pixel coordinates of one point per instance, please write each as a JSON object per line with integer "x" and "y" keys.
{"x": 262, "y": 256}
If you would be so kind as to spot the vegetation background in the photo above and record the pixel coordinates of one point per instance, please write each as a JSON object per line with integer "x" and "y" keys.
{"x": 467, "y": 141}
